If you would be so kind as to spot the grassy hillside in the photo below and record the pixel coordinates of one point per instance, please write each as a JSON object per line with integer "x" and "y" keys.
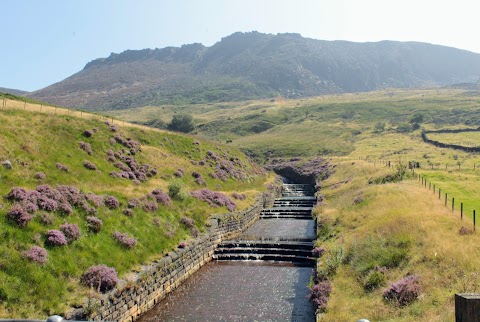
{"x": 394, "y": 230}
{"x": 36, "y": 142}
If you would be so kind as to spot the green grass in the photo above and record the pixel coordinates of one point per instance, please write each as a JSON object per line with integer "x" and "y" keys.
{"x": 34, "y": 142}
{"x": 469, "y": 139}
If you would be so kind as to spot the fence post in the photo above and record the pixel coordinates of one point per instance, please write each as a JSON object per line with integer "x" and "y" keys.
{"x": 439, "y": 193}
{"x": 461, "y": 210}
{"x": 453, "y": 204}
{"x": 474, "y": 220}
{"x": 446, "y": 199}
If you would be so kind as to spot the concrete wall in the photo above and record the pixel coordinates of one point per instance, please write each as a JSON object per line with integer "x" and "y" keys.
{"x": 133, "y": 298}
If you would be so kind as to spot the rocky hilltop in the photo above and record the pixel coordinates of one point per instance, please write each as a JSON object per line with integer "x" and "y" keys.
{"x": 255, "y": 65}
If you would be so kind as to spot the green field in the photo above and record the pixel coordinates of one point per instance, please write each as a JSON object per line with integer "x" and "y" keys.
{"x": 468, "y": 139}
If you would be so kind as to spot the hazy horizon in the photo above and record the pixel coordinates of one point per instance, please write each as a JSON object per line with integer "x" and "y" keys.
{"x": 50, "y": 40}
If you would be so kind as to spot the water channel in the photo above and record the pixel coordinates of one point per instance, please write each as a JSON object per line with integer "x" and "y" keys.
{"x": 262, "y": 275}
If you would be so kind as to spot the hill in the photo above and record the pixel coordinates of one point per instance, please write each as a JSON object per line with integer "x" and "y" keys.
{"x": 255, "y": 65}
{"x": 120, "y": 194}
{"x": 12, "y": 91}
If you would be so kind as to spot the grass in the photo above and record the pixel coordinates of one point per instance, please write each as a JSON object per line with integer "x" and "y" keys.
{"x": 469, "y": 139}
{"x": 400, "y": 227}
{"x": 34, "y": 141}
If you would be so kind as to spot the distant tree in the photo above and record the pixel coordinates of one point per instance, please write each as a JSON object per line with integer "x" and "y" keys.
{"x": 182, "y": 123}
{"x": 379, "y": 127}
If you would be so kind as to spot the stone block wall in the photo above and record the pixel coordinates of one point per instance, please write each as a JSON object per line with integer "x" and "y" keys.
{"x": 133, "y": 298}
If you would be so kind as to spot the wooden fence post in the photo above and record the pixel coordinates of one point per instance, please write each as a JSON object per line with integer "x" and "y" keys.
{"x": 433, "y": 188}
{"x": 446, "y": 199}
{"x": 474, "y": 220}
{"x": 439, "y": 193}
{"x": 461, "y": 210}
{"x": 453, "y": 204}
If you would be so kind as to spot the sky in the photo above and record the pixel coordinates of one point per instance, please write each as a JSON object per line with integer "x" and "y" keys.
{"x": 46, "y": 41}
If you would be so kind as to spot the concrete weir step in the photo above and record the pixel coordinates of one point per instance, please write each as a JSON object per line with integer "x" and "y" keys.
{"x": 286, "y": 216}
{"x": 286, "y": 251}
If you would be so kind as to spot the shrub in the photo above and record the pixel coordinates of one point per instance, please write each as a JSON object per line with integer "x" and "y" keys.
{"x": 319, "y": 294}
{"x": 29, "y": 207}
{"x": 150, "y": 206}
{"x": 89, "y": 165}
{"x": 465, "y": 231}
{"x": 40, "y": 176}
{"x": 96, "y": 200}
{"x": 239, "y": 196}
{"x": 47, "y": 204}
{"x": 161, "y": 197}
{"x": 181, "y": 123}
{"x": 214, "y": 198}
{"x": 128, "y": 212}
{"x": 61, "y": 167}
{"x": 94, "y": 224}
{"x": 404, "y": 291}
{"x": 111, "y": 202}
{"x": 124, "y": 240}
{"x": 71, "y": 231}
{"x": 55, "y": 238}
{"x": 65, "y": 208}
{"x": 156, "y": 221}
{"x": 19, "y": 216}
{"x": 86, "y": 147}
{"x": 133, "y": 203}
{"x": 318, "y": 252}
{"x": 188, "y": 222}
{"x": 36, "y": 254}
{"x": 88, "y": 133}
{"x": 100, "y": 277}
{"x": 17, "y": 194}
{"x": 47, "y": 219}
{"x": 375, "y": 279}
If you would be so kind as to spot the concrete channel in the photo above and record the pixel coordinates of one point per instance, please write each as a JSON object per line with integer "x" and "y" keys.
{"x": 262, "y": 275}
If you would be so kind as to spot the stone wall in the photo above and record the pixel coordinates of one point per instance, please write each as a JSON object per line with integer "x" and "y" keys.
{"x": 139, "y": 294}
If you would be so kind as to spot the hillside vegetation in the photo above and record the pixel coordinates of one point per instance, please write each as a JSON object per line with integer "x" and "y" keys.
{"x": 255, "y": 65}
{"x": 377, "y": 234}
{"x": 120, "y": 195}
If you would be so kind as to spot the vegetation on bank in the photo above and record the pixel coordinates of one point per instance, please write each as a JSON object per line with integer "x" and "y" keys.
{"x": 82, "y": 193}
{"x": 392, "y": 251}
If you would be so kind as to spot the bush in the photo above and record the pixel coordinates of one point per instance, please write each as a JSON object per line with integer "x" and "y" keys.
{"x": 100, "y": 277}
{"x": 214, "y": 198}
{"x": 19, "y": 216}
{"x": 94, "y": 224}
{"x": 124, "y": 240}
{"x": 61, "y": 167}
{"x": 47, "y": 219}
{"x": 111, "y": 202}
{"x": 55, "y": 238}
{"x": 181, "y": 123}
{"x": 36, "y": 254}
{"x": 40, "y": 176}
{"x": 319, "y": 294}
{"x": 89, "y": 165}
{"x": 188, "y": 222}
{"x": 404, "y": 291}
{"x": 239, "y": 196}
{"x": 71, "y": 231}
{"x": 375, "y": 279}
{"x": 318, "y": 252}
{"x": 161, "y": 197}
{"x": 175, "y": 190}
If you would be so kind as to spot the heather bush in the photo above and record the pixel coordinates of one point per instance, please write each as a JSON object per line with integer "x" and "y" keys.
{"x": 17, "y": 194}
{"x": 319, "y": 294}
{"x": 128, "y": 212}
{"x": 404, "y": 291}
{"x": 55, "y": 238}
{"x": 94, "y": 224}
{"x": 149, "y": 205}
{"x": 71, "y": 231}
{"x": 239, "y": 196}
{"x": 182, "y": 245}
{"x": 100, "y": 277}
{"x": 36, "y": 254}
{"x": 196, "y": 175}
{"x": 96, "y": 200}
{"x": 358, "y": 199}
{"x": 61, "y": 167}
{"x": 124, "y": 240}
{"x": 318, "y": 252}
{"x": 47, "y": 218}
{"x": 86, "y": 147}
{"x": 161, "y": 197}
{"x": 47, "y": 204}
{"x": 200, "y": 181}
{"x": 29, "y": 207}
{"x": 156, "y": 221}
{"x": 465, "y": 231}
{"x": 111, "y": 202}
{"x": 89, "y": 165}
{"x": 133, "y": 203}
{"x": 214, "y": 198}
{"x": 40, "y": 176}
{"x": 65, "y": 209}
{"x": 178, "y": 173}
{"x": 88, "y": 133}
{"x": 188, "y": 222}
{"x": 19, "y": 216}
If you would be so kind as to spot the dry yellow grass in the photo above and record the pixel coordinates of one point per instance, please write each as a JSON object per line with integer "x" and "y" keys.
{"x": 446, "y": 261}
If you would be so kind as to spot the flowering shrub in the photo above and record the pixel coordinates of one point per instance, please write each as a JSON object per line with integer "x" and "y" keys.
{"x": 161, "y": 197}
{"x": 188, "y": 222}
{"x": 89, "y": 165}
{"x": 239, "y": 196}
{"x": 111, "y": 202}
{"x": 156, "y": 221}
{"x": 404, "y": 291}
{"x": 47, "y": 204}
{"x": 19, "y": 216}
{"x": 65, "y": 208}
{"x": 178, "y": 173}
{"x": 40, "y": 176}
{"x": 319, "y": 294}
{"x": 214, "y": 198}
{"x": 71, "y": 231}
{"x": 96, "y": 200}
{"x": 100, "y": 277}
{"x": 150, "y": 206}
{"x": 124, "y": 240}
{"x": 55, "y": 238}
{"x": 61, "y": 167}
{"x": 86, "y": 147}
{"x": 17, "y": 194}
{"x": 94, "y": 224}
{"x": 133, "y": 203}
{"x": 128, "y": 212}
{"x": 36, "y": 254}
{"x": 182, "y": 245}
{"x": 47, "y": 219}
{"x": 318, "y": 252}
{"x": 29, "y": 207}
{"x": 88, "y": 133}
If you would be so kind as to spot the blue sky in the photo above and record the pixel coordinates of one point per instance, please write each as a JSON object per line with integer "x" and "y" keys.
{"x": 45, "y": 41}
